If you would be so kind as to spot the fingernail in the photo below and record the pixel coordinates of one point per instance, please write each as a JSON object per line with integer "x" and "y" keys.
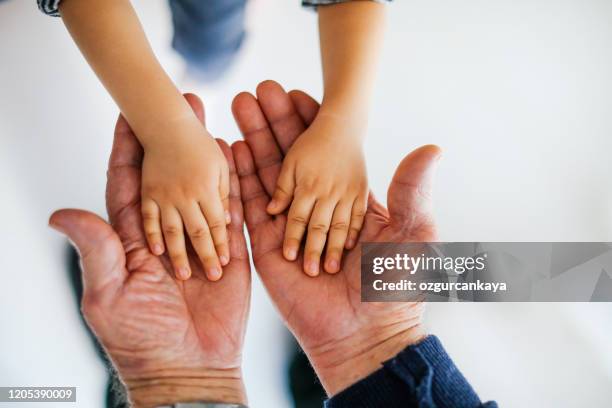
{"x": 271, "y": 205}
{"x": 214, "y": 273}
{"x": 291, "y": 254}
{"x": 224, "y": 260}
{"x": 184, "y": 273}
{"x": 312, "y": 268}
{"x": 333, "y": 265}
{"x": 157, "y": 249}
{"x": 228, "y": 217}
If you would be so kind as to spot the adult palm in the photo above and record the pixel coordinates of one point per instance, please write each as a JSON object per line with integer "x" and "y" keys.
{"x": 325, "y": 313}
{"x": 155, "y": 328}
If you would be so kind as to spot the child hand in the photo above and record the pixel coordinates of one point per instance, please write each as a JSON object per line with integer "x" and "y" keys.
{"x": 324, "y": 174}
{"x": 185, "y": 180}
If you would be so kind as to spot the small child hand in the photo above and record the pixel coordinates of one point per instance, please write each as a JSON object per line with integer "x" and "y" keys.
{"x": 324, "y": 174}
{"x": 185, "y": 180}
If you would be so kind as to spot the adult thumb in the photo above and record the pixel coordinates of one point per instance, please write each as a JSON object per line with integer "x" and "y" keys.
{"x": 102, "y": 255}
{"x": 410, "y": 194}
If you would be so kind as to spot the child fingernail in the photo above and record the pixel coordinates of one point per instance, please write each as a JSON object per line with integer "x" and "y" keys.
{"x": 214, "y": 274}
{"x": 228, "y": 217}
{"x": 224, "y": 260}
{"x": 271, "y": 205}
{"x": 183, "y": 273}
{"x": 291, "y": 254}
{"x": 312, "y": 268}
{"x": 333, "y": 265}
{"x": 157, "y": 249}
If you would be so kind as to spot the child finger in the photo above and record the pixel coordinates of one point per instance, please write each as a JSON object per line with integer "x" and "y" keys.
{"x": 224, "y": 192}
{"x": 357, "y": 217}
{"x": 318, "y": 227}
{"x": 338, "y": 233}
{"x": 201, "y": 240}
{"x": 214, "y": 214}
{"x": 172, "y": 226}
{"x": 152, "y": 226}
{"x": 283, "y": 193}
{"x": 297, "y": 220}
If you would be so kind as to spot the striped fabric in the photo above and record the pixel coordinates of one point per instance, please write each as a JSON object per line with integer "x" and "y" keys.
{"x": 51, "y": 7}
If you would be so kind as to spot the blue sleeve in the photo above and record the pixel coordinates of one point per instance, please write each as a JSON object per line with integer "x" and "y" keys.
{"x": 422, "y": 375}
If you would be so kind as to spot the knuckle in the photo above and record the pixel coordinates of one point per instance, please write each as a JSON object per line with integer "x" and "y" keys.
{"x": 358, "y": 214}
{"x": 148, "y": 215}
{"x": 171, "y": 230}
{"x": 216, "y": 225}
{"x": 319, "y": 227}
{"x": 298, "y": 220}
{"x": 199, "y": 232}
{"x": 306, "y": 187}
{"x": 339, "y": 226}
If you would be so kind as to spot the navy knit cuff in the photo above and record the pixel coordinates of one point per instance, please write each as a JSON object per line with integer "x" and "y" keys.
{"x": 422, "y": 375}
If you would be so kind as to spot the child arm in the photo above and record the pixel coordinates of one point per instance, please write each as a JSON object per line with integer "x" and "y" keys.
{"x": 111, "y": 38}
{"x": 185, "y": 179}
{"x": 323, "y": 178}
{"x": 351, "y": 35}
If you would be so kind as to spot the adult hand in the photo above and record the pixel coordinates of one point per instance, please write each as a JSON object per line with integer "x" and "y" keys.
{"x": 170, "y": 340}
{"x": 344, "y": 338}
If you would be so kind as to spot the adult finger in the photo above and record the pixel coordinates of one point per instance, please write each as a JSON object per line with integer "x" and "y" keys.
{"x": 252, "y": 192}
{"x": 101, "y": 252}
{"x": 197, "y": 106}
{"x": 280, "y": 113}
{"x": 409, "y": 197}
{"x": 237, "y": 242}
{"x": 266, "y": 154}
{"x": 123, "y": 176}
{"x": 306, "y": 106}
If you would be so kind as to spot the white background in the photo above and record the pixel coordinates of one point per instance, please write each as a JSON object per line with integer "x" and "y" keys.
{"x": 517, "y": 93}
